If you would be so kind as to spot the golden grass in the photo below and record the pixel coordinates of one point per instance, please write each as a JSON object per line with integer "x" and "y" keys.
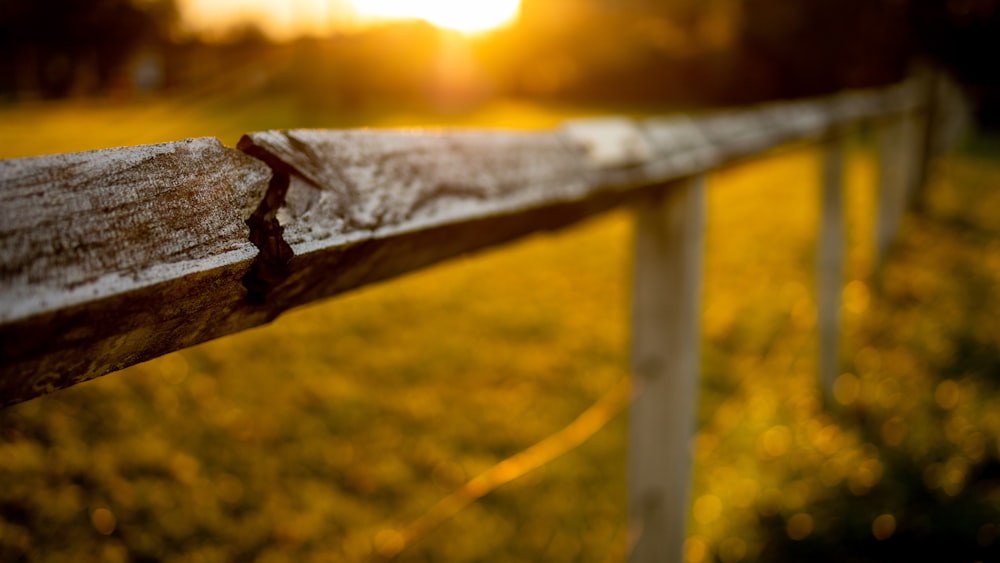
{"x": 415, "y": 416}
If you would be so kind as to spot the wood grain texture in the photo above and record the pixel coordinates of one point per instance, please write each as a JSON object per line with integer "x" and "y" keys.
{"x": 113, "y": 257}
{"x": 357, "y": 201}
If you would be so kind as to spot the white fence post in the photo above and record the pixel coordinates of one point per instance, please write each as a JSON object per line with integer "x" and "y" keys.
{"x": 665, "y": 358}
{"x": 830, "y": 262}
{"x": 897, "y": 175}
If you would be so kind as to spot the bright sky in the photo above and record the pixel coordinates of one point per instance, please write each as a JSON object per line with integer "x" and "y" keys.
{"x": 286, "y": 18}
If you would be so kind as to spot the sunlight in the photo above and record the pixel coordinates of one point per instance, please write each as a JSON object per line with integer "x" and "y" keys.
{"x": 280, "y": 20}
{"x": 469, "y": 17}
{"x": 288, "y": 19}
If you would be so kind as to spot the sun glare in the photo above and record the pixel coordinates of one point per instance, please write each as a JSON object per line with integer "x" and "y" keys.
{"x": 469, "y": 16}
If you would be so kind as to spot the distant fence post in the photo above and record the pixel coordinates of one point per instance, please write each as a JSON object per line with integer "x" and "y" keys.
{"x": 926, "y": 123}
{"x": 830, "y": 262}
{"x": 665, "y": 358}
{"x": 899, "y": 173}
{"x": 893, "y": 172}
{"x": 905, "y": 146}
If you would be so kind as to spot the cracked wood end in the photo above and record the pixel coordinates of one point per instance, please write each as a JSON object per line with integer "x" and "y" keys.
{"x": 113, "y": 257}
{"x": 366, "y": 205}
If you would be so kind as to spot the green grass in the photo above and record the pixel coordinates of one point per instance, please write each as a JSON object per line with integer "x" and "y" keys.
{"x": 323, "y": 435}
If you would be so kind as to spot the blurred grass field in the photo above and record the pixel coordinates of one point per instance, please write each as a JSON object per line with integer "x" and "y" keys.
{"x": 325, "y": 435}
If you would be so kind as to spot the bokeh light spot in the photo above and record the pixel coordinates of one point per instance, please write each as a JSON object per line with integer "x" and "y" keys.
{"x": 776, "y": 441}
{"x": 828, "y": 439}
{"x": 884, "y": 526}
{"x": 745, "y": 492}
{"x": 799, "y": 526}
{"x": 695, "y": 550}
{"x": 893, "y": 431}
{"x": 846, "y": 389}
{"x": 732, "y": 550}
{"x": 865, "y": 476}
{"x": 707, "y": 508}
{"x": 103, "y": 521}
{"x": 947, "y": 394}
{"x": 955, "y": 473}
{"x": 974, "y": 445}
{"x": 832, "y": 472}
{"x": 887, "y": 393}
{"x": 868, "y": 360}
{"x": 856, "y": 297}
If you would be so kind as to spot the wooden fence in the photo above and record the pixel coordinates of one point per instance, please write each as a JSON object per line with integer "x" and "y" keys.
{"x": 113, "y": 257}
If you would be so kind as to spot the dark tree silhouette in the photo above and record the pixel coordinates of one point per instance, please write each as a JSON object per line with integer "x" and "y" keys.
{"x": 50, "y": 46}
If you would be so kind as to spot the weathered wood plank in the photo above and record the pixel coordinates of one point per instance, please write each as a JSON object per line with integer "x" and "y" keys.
{"x": 356, "y": 201}
{"x": 113, "y": 257}
{"x": 666, "y": 335}
{"x": 362, "y": 206}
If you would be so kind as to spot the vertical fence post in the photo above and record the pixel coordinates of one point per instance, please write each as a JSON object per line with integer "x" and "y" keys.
{"x": 927, "y": 123}
{"x": 830, "y": 262}
{"x": 898, "y": 145}
{"x": 665, "y": 361}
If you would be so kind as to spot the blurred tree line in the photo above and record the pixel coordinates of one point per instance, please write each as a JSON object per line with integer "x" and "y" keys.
{"x": 737, "y": 51}
{"x": 689, "y": 52}
{"x": 56, "y": 48}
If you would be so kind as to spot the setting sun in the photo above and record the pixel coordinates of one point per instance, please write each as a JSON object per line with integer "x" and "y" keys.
{"x": 461, "y": 15}
{"x": 290, "y": 18}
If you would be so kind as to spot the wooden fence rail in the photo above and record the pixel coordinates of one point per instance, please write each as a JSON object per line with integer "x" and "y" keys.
{"x": 113, "y": 257}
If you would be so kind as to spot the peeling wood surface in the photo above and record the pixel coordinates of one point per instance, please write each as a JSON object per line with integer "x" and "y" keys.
{"x": 113, "y": 257}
